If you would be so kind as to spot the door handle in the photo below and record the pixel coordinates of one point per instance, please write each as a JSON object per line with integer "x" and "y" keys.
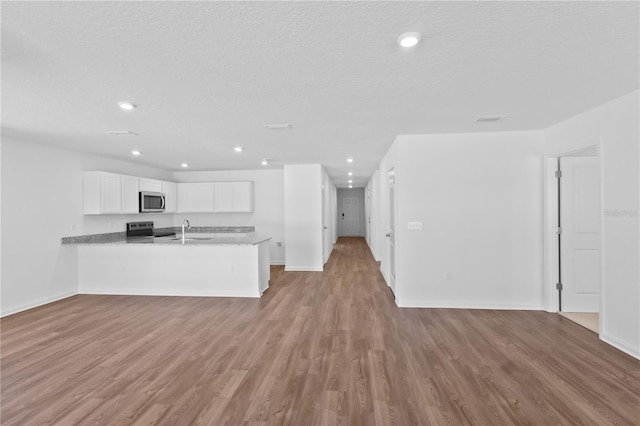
{"x": 388, "y": 235}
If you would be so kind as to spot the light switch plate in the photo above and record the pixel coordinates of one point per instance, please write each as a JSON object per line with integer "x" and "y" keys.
{"x": 414, "y": 225}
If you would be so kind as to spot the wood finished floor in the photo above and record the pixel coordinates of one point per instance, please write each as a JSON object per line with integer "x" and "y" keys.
{"x": 320, "y": 348}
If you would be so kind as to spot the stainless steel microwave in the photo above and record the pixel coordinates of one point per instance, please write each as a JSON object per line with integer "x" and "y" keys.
{"x": 151, "y": 202}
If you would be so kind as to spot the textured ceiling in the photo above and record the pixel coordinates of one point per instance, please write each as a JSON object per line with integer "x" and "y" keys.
{"x": 208, "y": 76}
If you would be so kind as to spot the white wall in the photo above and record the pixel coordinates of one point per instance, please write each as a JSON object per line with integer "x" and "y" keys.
{"x": 41, "y": 203}
{"x": 479, "y": 197}
{"x": 303, "y": 217}
{"x": 615, "y": 127}
{"x": 268, "y": 212}
{"x": 358, "y": 193}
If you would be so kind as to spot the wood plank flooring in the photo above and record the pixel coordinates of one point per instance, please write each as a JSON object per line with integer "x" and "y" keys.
{"x": 320, "y": 348}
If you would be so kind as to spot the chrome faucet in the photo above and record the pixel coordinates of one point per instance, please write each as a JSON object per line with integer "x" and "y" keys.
{"x": 188, "y": 226}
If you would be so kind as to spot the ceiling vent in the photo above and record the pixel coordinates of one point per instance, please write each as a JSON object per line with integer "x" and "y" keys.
{"x": 277, "y": 126}
{"x": 121, "y": 133}
{"x": 490, "y": 118}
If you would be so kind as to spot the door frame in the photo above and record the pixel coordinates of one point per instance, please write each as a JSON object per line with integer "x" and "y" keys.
{"x": 550, "y": 237}
{"x": 358, "y": 217}
{"x": 392, "y": 251}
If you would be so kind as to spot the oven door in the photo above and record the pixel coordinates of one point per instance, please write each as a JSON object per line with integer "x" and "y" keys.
{"x": 151, "y": 202}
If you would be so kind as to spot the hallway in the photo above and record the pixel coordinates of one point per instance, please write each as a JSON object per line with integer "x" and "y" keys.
{"x": 319, "y": 348}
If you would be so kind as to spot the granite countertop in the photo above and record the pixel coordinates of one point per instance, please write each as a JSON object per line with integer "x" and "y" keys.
{"x": 201, "y": 235}
{"x": 250, "y": 238}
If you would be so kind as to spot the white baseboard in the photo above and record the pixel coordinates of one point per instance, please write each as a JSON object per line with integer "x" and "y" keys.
{"x": 277, "y": 262}
{"x": 35, "y": 304}
{"x": 303, "y": 269}
{"x": 466, "y": 305}
{"x": 621, "y": 346}
{"x": 107, "y": 292}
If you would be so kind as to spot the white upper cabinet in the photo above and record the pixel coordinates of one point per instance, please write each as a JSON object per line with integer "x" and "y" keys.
{"x": 233, "y": 197}
{"x": 111, "y": 193}
{"x": 215, "y": 197}
{"x": 223, "y": 197}
{"x": 130, "y": 194}
{"x": 195, "y": 197}
{"x": 150, "y": 185}
{"x": 170, "y": 190}
{"x": 102, "y": 193}
{"x": 243, "y": 197}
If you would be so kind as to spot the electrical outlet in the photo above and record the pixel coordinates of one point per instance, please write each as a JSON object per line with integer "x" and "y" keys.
{"x": 447, "y": 276}
{"x": 414, "y": 225}
{"x": 279, "y": 244}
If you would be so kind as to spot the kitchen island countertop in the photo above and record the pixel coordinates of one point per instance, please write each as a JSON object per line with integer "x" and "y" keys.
{"x": 191, "y": 239}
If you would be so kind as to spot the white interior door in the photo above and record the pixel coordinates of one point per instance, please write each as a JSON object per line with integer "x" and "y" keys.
{"x": 580, "y": 237}
{"x": 367, "y": 215}
{"x": 392, "y": 231}
{"x": 350, "y": 216}
{"x": 325, "y": 250}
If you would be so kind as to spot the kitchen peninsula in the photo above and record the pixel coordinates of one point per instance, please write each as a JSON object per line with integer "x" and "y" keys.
{"x": 226, "y": 264}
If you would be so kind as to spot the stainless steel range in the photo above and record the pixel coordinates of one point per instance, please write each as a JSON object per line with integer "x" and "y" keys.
{"x": 144, "y": 230}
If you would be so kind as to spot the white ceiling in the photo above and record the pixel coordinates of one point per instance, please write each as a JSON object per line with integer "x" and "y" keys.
{"x": 208, "y": 76}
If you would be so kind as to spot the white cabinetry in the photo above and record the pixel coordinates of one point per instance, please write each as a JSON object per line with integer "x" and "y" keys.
{"x": 243, "y": 197}
{"x": 150, "y": 185}
{"x": 130, "y": 194}
{"x": 233, "y": 197}
{"x": 102, "y": 193}
{"x": 215, "y": 197}
{"x": 170, "y": 190}
{"x": 111, "y": 193}
{"x": 195, "y": 197}
{"x": 223, "y": 197}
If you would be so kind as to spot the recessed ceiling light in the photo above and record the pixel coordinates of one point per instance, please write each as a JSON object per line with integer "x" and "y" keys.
{"x": 350, "y": 181}
{"x": 409, "y": 39}
{"x": 264, "y": 162}
{"x": 238, "y": 149}
{"x": 490, "y": 118}
{"x": 349, "y": 160}
{"x": 134, "y": 152}
{"x": 126, "y": 106}
{"x": 277, "y": 126}
{"x": 350, "y": 174}
{"x": 184, "y": 165}
{"x": 350, "y": 186}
